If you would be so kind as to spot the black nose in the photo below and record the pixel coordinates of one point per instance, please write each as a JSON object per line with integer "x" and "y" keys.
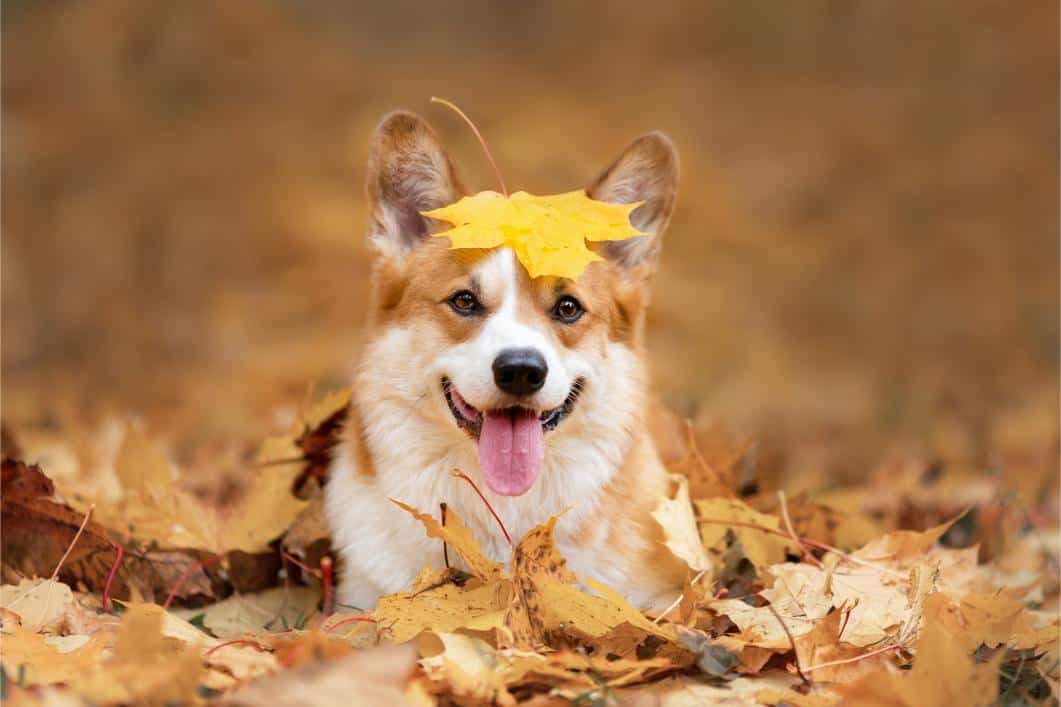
{"x": 520, "y": 371}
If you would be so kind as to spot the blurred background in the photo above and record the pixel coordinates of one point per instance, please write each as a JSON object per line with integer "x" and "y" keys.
{"x": 863, "y": 264}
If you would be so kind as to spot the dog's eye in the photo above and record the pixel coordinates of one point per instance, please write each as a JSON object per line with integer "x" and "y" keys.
{"x": 567, "y": 310}
{"x": 464, "y": 302}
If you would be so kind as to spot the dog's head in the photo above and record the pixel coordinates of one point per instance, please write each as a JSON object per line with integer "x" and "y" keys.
{"x": 467, "y": 343}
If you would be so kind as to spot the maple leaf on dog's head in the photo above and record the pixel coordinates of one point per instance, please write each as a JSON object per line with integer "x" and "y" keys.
{"x": 547, "y": 233}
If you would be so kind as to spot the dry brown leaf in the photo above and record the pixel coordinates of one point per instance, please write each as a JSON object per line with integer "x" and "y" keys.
{"x": 460, "y": 538}
{"x": 752, "y": 657}
{"x": 924, "y": 580}
{"x": 534, "y": 559}
{"x": 38, "y": 528}
{"x": 681, "y": 536}
{"x": 769, "y": 688}
{"x": 40, "y": 604}
{"x": 763, "y": 547}
{"x": 761, "y": 627}
{"x": 471, "y": 669}
{"x": 824, "y": 657}
{"x": 276, "y": 609}
{"x": 903, "y": 545}
{"x": 993, "y": 620}
{"x": 265, "y": 512}
{"x": 376, "y": 677}
{"x": 141, "y": 464}
{"x": 42, "y": 660}
{"x": 944, "y": 672}
{"x": 148, "y": 667}
{"x": 569, "y": 616}
{"x": 445, "y": 608}
{"x": 309, "y": 536}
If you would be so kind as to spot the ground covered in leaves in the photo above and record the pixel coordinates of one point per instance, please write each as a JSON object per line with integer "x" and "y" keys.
{"x": 858, "y": 306}
{"x": 122, "y": 587}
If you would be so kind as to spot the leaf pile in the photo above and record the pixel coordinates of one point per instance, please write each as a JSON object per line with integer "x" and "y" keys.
{"x": 810, "y": 601}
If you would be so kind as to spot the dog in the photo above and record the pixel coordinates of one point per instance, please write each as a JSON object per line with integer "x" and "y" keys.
{"x": 535, "y": 388}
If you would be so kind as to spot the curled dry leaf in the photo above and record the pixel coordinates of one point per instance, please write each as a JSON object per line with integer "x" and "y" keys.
{"x": 680, "y": 532}
{"x": 825, "y": 657}
{"x": 460, "y": 538}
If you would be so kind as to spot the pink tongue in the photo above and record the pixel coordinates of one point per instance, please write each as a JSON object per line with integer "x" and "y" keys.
{"x": 511, "y": 450}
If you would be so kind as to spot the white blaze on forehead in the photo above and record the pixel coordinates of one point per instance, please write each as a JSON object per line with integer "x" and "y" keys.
{"x": 497, "y": 277}
{"x": 503, "y": 328}
{"x": 471, "y": 364}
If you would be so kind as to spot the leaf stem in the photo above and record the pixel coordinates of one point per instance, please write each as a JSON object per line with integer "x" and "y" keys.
{"x": 792, "y": 531}
{"x": 678, "y": 601}
{"x": 445, "y": 546}
{"x": 77, "y": 535}
{"x": 791, "y": 640}
{"x": 328, "y": 586}
{"x": 184, "y": 576}
{"x": 238, "y": 642}
{"x": 479, "y": 136}
{"x": 806, "y": 541}
{"x": 301, "y": 565}
{"x": 461, "y": 475}
{"x": 120, "y": 551}
{"x": 350, "y": 620}
{"x": 55, "y": 572}
{"x": 857, "y": 658}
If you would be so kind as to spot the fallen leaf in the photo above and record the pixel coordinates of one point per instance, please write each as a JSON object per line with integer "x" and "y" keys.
{"x": 39, "y": 603}
{"x": 903, "y": 545}
{"x": 460, "y": 538}
{"x": 761, "y": 627}
{"x": 680, "y": 533}
{"x": 141, "y": 464}
{"x": 265, "y": 512}
{"x": 43, "y": 663}
{"x": 276, "y": 609}
{"x": 471, "y": 668}
{"x": 37, "y": 528}
{"x": 757, "y": 532}
{"x": 824, "y": 657}
{"x": 152, "y": 663}
{"x": 924, "y": 580}
{"x": 375, "y": 677}
{"x": 944, "y": 673}
{"x": 534, "y": 560}
{"x": 445, "y": 608}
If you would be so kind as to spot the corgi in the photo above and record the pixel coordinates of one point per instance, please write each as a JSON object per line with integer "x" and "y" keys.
{"x": 534, "y": 388}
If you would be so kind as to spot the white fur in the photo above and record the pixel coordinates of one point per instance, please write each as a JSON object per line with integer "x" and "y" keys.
{"x": 415, "y": 445}
{"x": 469, "y": 365}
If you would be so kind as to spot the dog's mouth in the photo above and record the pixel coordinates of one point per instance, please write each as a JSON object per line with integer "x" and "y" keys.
{"x": 510, "y": 440}
{"x": 470, "y": 418}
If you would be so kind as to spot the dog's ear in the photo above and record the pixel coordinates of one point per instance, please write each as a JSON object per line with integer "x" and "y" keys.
{"x": 408, "y": 172}
{"x": 647, "y": 170}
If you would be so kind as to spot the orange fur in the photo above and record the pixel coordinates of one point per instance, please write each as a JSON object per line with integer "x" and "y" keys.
{"x": 600, "y": 459}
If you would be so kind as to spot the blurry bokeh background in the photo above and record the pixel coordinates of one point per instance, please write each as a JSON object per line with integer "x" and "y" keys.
{"x": 863, "y": 263}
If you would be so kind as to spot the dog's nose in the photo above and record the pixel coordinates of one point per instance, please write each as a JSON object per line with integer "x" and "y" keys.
{"x": 520, "y": 371}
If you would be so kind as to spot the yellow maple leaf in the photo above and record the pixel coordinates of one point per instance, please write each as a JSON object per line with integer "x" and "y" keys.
{"x": 547, "y": 233}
